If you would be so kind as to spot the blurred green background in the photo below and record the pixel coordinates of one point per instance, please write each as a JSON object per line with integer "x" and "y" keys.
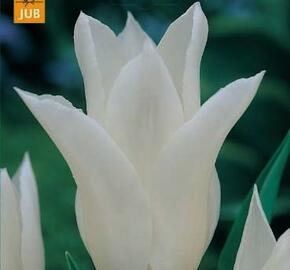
{"x": 245, "y": 36}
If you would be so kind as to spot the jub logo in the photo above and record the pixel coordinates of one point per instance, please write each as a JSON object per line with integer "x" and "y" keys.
{"x": 29, "y": 14}
{"x": 29, "y": 11}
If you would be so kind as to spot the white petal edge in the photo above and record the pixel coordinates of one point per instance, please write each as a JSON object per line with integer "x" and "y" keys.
{"x": 32, "y": 242}
{"x": 100, "y": 59}
{"x": 132, "y": 38}
{"x": 280, "y": 257}
{"x": 185, "y": 168}
{"x": 114, "y": 205}
{"x": 194, "y": 52}
{"x": 80, "y": 218}
{"x": 181, "y": 48}
{"x": 214, "y": 204}
{"x": 143, "y": 109}
{"x": 258, "y": 240}
{"x": 10, "y": 225}
{"x": 89, "y": 65}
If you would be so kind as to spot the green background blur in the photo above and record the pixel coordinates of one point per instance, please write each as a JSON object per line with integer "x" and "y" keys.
{"x": 245, "y": 36}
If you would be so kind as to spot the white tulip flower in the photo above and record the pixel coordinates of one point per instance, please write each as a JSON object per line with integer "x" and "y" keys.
{"x": 259, "y": 249}
{"x": 21, "y": 239}
{"x": 143, "y": 157}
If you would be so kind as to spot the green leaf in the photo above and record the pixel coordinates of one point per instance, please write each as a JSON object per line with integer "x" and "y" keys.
{"x": 268, "y": 184}
{"x": 72, "y": 265}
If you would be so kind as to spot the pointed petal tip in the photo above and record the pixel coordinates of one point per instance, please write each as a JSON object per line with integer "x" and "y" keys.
{"x": 199, "y": 22}
{"x": 26, "y": 156}
{"x": 256, "y": 202}
{"x": 132, "y": 24}
{"x": 256, "y": 199}
{"x": 17, "y": 89}
{"x": 255, "y": 80}
{"x": 5, "y": 179}
{"x": 197, "y": 6}
{"x": 80, "y": 17}
{"x": 3, "y": 172}
{"x": 25, "y": 95}
{"x": 198, "y": 12}
{"x": 257, "y": 240}
{"x": 130, "y": 21}
{"x": 83, "y": 18}
{"x": 255, "y": 195}
{"x": 255, "y": 188}
{"x": 26, "y": 161}
{"x": 130, "y": 17}
{"x": 192, "y": 7}
{"x": 250, "y": 84}
{"x": 82, "y": 14}
{"x": 259, "y": 76}
{"x": 20, "y": 92}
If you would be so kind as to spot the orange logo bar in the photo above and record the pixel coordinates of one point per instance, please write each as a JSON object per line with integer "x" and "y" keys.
{"x": 29, "y": 11}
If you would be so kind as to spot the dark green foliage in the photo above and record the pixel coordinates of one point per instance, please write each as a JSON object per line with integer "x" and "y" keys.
{"x": 71, "y": 263}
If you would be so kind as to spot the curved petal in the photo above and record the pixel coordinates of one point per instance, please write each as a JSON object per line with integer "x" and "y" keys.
{"x": 214, "y": 203}
{"x": 280, "y": 257}
{"x": 191, "y": 76}
{"x": 132, "y": 38}
{"x": 143, "y": 109}
{"x": 32, "y": 242}
{"x": 115, "y": 208}
{"x": 10, "y": 225}
{"x": 181, "y": 48}
{"x": 80, "y": 218}
{"x": 100, "y": 60}
{"x": 257, "y": 240}
{"x": 185, "y": 168}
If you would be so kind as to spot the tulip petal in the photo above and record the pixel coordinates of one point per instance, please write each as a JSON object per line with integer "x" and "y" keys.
{"x": 143, "y": 109}
{"x": 191, "y": 76}
{"x": 114, "y": 205}
{"x": 181, "y": 48}
{"x": 186, "y": 167}
{"x": 280, "y": 257}
{"x": 132, "y": 38}
{"x": 257, "y": 241}
{"x": 214, "y": 203}
{"x": 10, "y": 225}
{"x": 32, "y": 242}
{"x": 100, "y": 60}
{"x": 80, "y": 218}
